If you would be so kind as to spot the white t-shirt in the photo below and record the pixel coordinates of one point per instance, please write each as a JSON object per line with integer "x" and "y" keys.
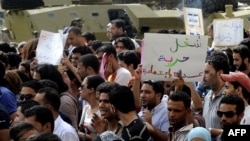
{"x": 246, "y": 119}
{"x": 65, "y": 131}
{"x": 122, "y": 76}
{"x": 86, "y": 120}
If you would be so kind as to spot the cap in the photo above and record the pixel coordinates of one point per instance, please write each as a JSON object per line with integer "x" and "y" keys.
{"x": 240, "y": 77}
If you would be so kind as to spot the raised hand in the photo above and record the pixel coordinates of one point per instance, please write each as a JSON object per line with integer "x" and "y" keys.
{"x": 98, "y": 123}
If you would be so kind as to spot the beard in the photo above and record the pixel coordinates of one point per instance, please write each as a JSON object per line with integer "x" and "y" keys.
{"x": 242, "y": 67}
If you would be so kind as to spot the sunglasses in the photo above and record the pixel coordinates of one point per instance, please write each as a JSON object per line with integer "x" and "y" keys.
{"x": 26, "y": 97}
{"x": 228, "y": 114}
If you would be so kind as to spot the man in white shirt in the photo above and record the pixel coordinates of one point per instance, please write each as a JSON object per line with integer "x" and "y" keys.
{"x": 49, "y": 97}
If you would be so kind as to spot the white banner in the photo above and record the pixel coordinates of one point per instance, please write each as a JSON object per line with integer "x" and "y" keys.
{"x": 49, "y": 48}
{"x": 228, "y": 32}
{"x": 164, "y": 55}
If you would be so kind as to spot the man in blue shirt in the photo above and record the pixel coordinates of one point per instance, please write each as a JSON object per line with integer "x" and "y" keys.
{"x": 7, "y": 98}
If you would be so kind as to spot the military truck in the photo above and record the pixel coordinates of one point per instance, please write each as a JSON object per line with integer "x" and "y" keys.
{"x": 23, "y": 21}
{"x": 23, "y": 24}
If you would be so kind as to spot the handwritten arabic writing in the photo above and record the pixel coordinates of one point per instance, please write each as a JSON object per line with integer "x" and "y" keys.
{"x": 170, "y": 61}
{"x": 168, "y": 73}
{"x": 235, "y": 25}
{"x": 162, "y": 64}
{"x": 224, "y": 37}
{"x": 228, "y": 32}
{"x": 185, "y": 44}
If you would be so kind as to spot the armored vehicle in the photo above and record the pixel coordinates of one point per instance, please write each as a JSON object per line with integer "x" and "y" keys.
{"x": 23, "y": 24}
{"x": 24, "y": 21}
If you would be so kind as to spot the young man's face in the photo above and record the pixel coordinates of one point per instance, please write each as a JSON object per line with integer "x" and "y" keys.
{"x": 119, "y": 47}
{"x": 19, "y": 115}
{"x": 227, "y": 114}
{"x": 148, "y": 96}
{"x": 210, "y": 76}
{"x": 177, "y": 113}
{"x": 74, "y": 58}
{"x": 239, "y": 62}
{"x": 81, "y": 70}
{"x": 229, "y": 89}
{"x": 38, "y": 125}
{"x": 115, "y": 31}
{"x": 27, "y": 93}
{"x": 73, "y": 39}
{"x": 105, "y": 106}
{"x": 39, "y": 98}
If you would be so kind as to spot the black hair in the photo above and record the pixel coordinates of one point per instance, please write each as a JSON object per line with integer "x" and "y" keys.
{"x": 75, "y": 30}
{"x": 109, "y": 49}
{"x": 14, "y": 59}
{"x": 3, "y": 81}
{"x": 51, "y": 97}
{"x": 95, "y": 44}
{"x": 49, "y": 83}
{"x": 93, "y": 81}
{"x": 219, "y": 61}
{"x": 19, "y": 129}
{"x": 122, "y": 98}
{"x": 181, "y": 96}
{"x": 245, "y": 93}
{"x": 5, "y": 47}
{"x": 34, "y": 84}
{"x": 27, "y": 104}
{"x": 106, "y": 87}
{"x": 76, "y": 22}
{"x": 90, "y": 60}
{"x": 82, "y": 50}
{"x": 127, "y": 42}
{"x": 130, "y": 57}
{"x": 243, "y": 51}
{"x": 234, "y": 99}
{"x": 4, "y": 58}
{"x": 156, "y": 85}
{"x": 23, "y": 76}
{"x": 89, "y": 36}
{"x": 26, "y": 65}
{"x": 119, "y": 23}
{"x": 44, "y": 136}
{"x": 229, "y": 54}
{"x": 49, "y": 71}
{"x": 39, "y": 112}
{"x": 72, "y": 76}
{"x": 100, "y": 49}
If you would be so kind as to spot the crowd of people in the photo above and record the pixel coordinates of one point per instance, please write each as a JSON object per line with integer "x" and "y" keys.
{"x": 97, "y": 94}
